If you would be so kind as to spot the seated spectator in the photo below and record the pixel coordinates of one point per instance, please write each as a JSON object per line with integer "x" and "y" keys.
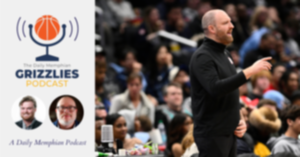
{"x": 289, "y": 83}
{"x": 267, "y": 44}
{"x": 189, "y": 146}
{"x": 146, "y": 34}
{"x": 275, "y": 96}
{"x": 133, "y": 99}
{"x": 173, "y": 97}
{"x": 127, "y": 65}
{"x": 101, "y": 114}
{"x": 160, "y": 67}
{"x": 260, "y": 82}
{"x": 123, "y": 9}
{"x": 178, "y": 128}
{"x": 289, "y": 141}
{"x": 101, "y": 93}
{"x": 190, "y": 11}
{"x": 260, "y": 18}
{"x": 281, "y": 53}
{"x": 142, "y": 127}
{"x": 182, "y": 78}
{"x": 263, "y": 121}
{"x": 237, "y": 33}
{"x": 175, "y": 22}
{"x": 164, "y": 6}
{"x": 196, "y": 24}
{"x": 120, "y": 131}
{"x": 295, "y": 99}
{"x": 277, "y": 71}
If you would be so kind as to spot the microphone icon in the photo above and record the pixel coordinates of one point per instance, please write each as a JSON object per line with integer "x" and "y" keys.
{"x": 47, "y": 28}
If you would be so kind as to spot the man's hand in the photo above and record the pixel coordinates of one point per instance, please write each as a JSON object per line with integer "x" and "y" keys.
{"x": 241, "y": 129}
{"x": 258, "y": 66}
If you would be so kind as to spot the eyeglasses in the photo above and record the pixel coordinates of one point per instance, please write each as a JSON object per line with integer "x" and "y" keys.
{"x": 70, "y": 108}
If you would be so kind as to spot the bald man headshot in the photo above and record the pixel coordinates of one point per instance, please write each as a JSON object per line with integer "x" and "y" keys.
{"x": 66, "y": 113}
{"x": 215, "y": 95}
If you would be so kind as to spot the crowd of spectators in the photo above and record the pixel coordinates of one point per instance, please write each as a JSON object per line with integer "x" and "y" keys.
{"x": 142, "y": 78}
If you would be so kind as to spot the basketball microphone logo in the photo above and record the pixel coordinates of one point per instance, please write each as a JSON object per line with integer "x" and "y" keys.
{"x": 47, "y": 28}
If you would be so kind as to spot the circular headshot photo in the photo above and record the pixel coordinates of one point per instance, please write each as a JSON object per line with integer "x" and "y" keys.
{"x": 66, "y": 112}
{"x": 28, "y": 112}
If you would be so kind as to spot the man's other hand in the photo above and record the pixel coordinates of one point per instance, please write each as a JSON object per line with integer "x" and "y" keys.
{"x": 241, "y": 129}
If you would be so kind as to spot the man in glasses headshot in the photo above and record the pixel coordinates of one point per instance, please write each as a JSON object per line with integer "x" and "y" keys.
{"x": 66, "y": 113}
{"x": 27, "y": 112}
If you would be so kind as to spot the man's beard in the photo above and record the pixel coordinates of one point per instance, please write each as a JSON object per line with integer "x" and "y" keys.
{"x": 64, "y": 122}
{"x": 27, "y": 118}
{"x": 225, "y": 39}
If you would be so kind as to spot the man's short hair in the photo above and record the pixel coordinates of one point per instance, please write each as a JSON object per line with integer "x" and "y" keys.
{"x": 263, "y": 73}
{"x": 207, "y": 20}
{"x": 28, "y": 98}
{"x": 133, "y": 76}
{"x": 165, "y": 90}
{"x": 265, "y": 102}
{"x": 291, "y": 112}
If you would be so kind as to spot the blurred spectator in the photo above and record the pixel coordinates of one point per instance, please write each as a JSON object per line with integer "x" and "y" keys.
{"x": 101, "y": 114}
{"x": 196, "y": 24}
{"x": 280, "y": 52}
{"x": 289, "y": 83}
{"x": 264, "y": 121}
{"x": 101, "y": 92}
{"x": 295, "y": 99}
{"x": 190, "y": 11}
{"x": 159, "y": 70}
{"x": 277, "y": 97}
{"x": 146, "y": 34}
{"x": 127, "y": 65}
{"x": 244, "y": 18}
{"x": 133, "y": 99}
{"x": 175, "y": 22}
{"x": 182, "y": 78}
{"x": 260, "y": 18}
{"x": 237, "y": 32}
{"x": 142, "y": 127}
{"x": 277, "y": 71}
{"x": 173, "y": 97}
{"x": 120, "y": 130}
{"x": 260, "y": 82}
{"x": 267, "y": 44}
{"x": 164, "y": 6}
{"x": 100, "y": 120}
{"x": 189, "y": 146}
{"x": 289, "y": 141}
{"x": 123, "y": 9}
{"x": 290, "y": 43}
{"x": 178, "y": 128}
{"x": 110, "y": 18}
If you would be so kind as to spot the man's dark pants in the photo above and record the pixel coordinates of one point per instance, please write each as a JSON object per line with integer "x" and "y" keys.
{"x": 216, "y": 146}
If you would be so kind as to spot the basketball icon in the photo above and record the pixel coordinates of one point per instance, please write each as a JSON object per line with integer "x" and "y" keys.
{"x": 47, "y": 27}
